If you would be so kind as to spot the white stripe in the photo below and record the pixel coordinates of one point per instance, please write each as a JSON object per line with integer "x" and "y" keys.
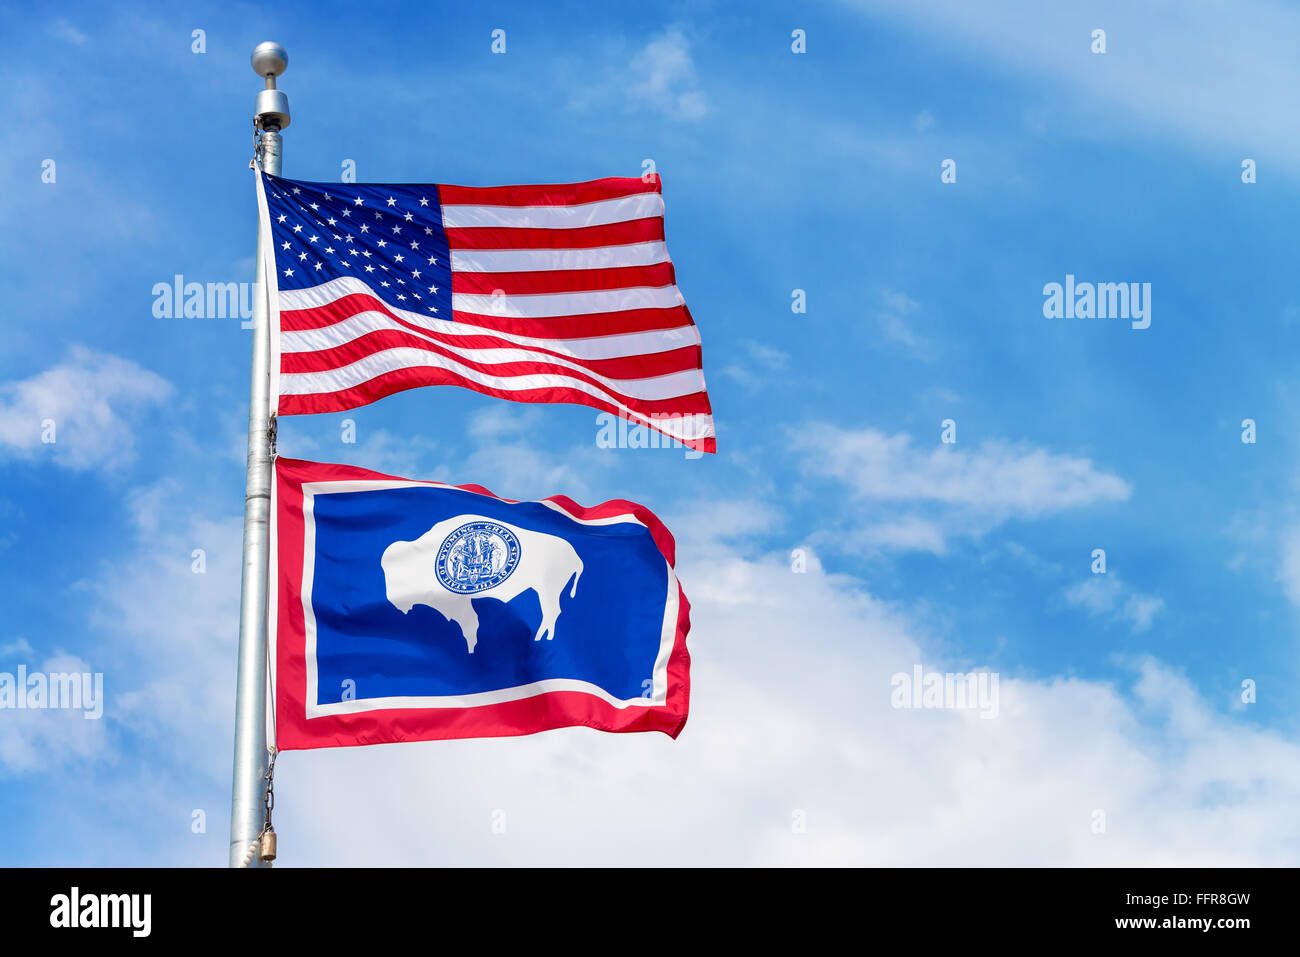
{"x": 551, "y": 304}
{"x": 541, "y": 260}
{"x": 601, "y": 213}
{"x": 599, "y": 347}
{"x": 541, "y": 306}
{"x": 628, "y": 387}
{"x": 670, "y": 386}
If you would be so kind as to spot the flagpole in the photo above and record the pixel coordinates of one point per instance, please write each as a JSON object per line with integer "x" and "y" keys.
{"x": 248, "y": 792}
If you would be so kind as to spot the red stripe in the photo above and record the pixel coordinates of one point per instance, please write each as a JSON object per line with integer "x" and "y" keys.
{"x": 583, "y": 327}
{"x": 586, "y": 237}
{"x": 563, "y": 280}
{"x": 400, "y": 380}
{"x": 623, "y": 367}
{"x": 556, "y": 194}
{"x": 555, "y": 327}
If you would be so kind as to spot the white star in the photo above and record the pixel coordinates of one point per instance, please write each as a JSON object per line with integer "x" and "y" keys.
{"x": 416, "y": 274}
{"x": 358, "y": 201}
{"x": 401, "y": 297}
{"x": 288, "y": 272}
{"x": 346, "y": 263}
{"x": 414, "y": 244}
{"x": 327, "y": 196}
{"x": 433, "y": 308}
{"x": 423, "y": 201}
{"x": 331, "y": 220}
{"x": 433, "y": 261}
{"x": 397, "y": 258}
{"x": 434, "y": 290}
{"x": 365, "y": 227}
{"x": 384, "y": 284}
{"x": 428, "y": 231}
{"x": 410, "y": 216}
{"x": 329, "y": 249}
{"x": 281, "y": 219}
{"x": 284, "y": 245}
{"x": 382, "y": 243}
{"x": 296, "y": 191}
{"x": 347, "y": 212}
{"x": 302, "y": 257}
{"x": 397, "y": 229}
{"x": 391, "y": 201}
{"x": 313, "y": 239}
{"x": 369, "y": 268}
{"x": 314, "y": 206}
{"x": 297, "y": 229}
{"x": 318, "y": 265}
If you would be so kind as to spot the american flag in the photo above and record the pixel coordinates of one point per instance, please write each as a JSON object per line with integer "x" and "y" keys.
{"x": 530, "y": 293}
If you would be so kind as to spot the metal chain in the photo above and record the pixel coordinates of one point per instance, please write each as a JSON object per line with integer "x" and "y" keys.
{"x": 259, "y": 149}
{"x": 268, "y": 804}
{"x": 268, "y": 801}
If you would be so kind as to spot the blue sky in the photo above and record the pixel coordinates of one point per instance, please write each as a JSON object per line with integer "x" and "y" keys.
{"x": 817, "y": 171}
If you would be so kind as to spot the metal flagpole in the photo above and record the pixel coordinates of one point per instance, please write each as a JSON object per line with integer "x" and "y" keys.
{"x": 248, "y": 811}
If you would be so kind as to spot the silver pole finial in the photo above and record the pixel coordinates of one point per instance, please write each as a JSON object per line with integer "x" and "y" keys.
{"x": 272, "y": 108}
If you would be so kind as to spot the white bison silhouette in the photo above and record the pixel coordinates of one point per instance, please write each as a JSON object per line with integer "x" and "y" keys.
{"x": 546, "y": 564}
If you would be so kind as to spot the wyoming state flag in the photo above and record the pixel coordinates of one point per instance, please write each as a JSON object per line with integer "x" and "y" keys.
{"x": 410, "y": 611}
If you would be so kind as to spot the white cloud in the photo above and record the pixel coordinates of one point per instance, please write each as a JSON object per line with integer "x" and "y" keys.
{"x": 1153, "y": 79}
{"x": 1288, "y": 573}
{"x": 84, "y": 404}
{"x": 1142, "y": 609}
{"x": 962, "y": 491}
{"x": 907, "y": 534}
{"x": 790, "y": 713}
{"x": 46, "y": 740}
{"x": 504, "y": 419}
{"x": 1107, "y": 595}
{"x": 897, "y": 318}
{"x": 764, "y": 360}
{"x": 1000, "y": 477}
{"x": 19, "y": 647}
{"x": 663, "y": 77}
{"x": 64, "y": 29}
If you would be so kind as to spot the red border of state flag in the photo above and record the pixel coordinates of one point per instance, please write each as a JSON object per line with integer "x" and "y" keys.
{"x": 539, "y": 712}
